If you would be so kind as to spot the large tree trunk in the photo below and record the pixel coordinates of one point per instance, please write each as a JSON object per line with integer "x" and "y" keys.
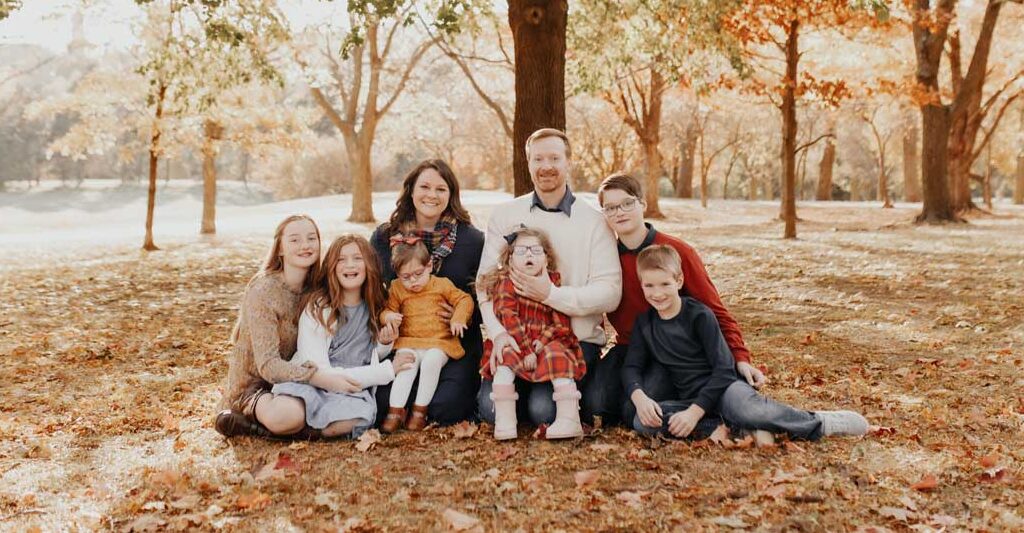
{"x": 929, "y": 40}
{"x": 359, "y": 164}
{"x": 213, "y": 132}
{"x": 538, "y": 33}
{"x": 1018, "y": 189}
{"x": 965, "y": 113}
{"x": 651, "y": 139}
{"x": 911, "y": 160}
{"x": 825, "y": 169}
{"x": 789, "y": 131}
{"x": 687, "y": 154}
{"x": 154, "y": 159}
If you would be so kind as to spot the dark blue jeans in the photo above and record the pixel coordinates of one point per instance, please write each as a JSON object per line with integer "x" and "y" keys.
{"x": 743, "y": 408}
{"x": 454, "y": 400}
{"x": 535, "y": 403}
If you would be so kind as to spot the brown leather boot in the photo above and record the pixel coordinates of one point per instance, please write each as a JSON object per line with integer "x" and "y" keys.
{"x": 394, "y": 421}
{"x": 417, "y": 419}
{"x": 234, "y": 424}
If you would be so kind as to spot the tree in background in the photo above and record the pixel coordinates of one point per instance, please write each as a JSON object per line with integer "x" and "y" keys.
{"x": 539, "y": 43}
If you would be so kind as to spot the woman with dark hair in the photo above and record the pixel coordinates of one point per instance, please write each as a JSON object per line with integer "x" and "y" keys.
{"x": 429, "y": 208}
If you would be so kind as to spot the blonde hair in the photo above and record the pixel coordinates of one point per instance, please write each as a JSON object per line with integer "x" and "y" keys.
{"x": 273, "y": 262}
{"x": 490, "y": 279}
{"x": 659, "y": 257}
{"x": 544, "y": 133}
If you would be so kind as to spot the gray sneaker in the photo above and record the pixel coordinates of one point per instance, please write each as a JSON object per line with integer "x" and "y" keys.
{"x": 842, "y": 423}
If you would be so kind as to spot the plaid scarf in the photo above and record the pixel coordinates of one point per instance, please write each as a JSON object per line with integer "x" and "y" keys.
{"x": 440, "y": 241}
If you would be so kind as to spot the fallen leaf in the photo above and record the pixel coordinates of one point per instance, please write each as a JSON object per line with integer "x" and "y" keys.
{"x": 327, "y": 499}
{"x": 147, "y": 523}
{"x": 367, "y": 440}
{"x": 278, "y": 468}
{"x": 186, "y": 502}
{"x": 720, "y": 435}
{"x": 464, "y": 429}
{"x": 808, "y": 339}
{"x": 791, "y": 446}
{"x": 927, "y": 483}
{"x": 992, "y": 475}
{"x": 990, "y": 460}
{"x": 252, "y": 500}
{"x": 881, "y": 431}
{"x": 456, "y": 521}
{"x": 896, "y": 513}
{"x": 166, "y": 478}
{"x": 505, "y": 453}
{"x": 729, "y": 521}
{"x": 585, "y": 478}
{"x": 602, "y": 448}
{"x": 298, "y": 445}
{"x": 633, "y": 499}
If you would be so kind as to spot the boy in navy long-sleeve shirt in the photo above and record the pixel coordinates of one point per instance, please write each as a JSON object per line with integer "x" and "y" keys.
{"x": 683, "y": 335}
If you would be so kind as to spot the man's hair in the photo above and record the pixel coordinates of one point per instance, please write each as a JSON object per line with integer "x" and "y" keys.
{"x": 622, "y": 182}
{"x": 544, "y": 133}
{"x": 660, "y": 257}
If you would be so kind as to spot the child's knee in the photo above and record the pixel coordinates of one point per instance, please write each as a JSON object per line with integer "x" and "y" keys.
{"x": 640, "y": 428}
{"x": 284, "y": 415}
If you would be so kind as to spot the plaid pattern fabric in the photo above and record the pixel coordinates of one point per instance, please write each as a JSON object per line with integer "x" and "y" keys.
{"x": 526, "y": 320}
{"x": 440, "y": 241}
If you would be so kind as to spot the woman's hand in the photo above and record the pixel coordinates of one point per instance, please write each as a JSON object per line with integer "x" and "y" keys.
{"x": 751, "y": 373}
{"x": 458, "y": 328}
{"x": 403, "y": 360}
{"x": 446, "y": 311}
{"x": 335, "y": 382}
{"x": 388, "y": 334}
{"x": 647, "y": 409}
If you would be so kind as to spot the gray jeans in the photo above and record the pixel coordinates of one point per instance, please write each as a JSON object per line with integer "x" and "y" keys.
{"x": 743, "y": 408}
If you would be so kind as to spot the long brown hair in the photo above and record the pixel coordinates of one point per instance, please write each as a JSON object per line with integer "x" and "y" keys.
{"x": 405, "y": 212}
{"x": 489, "y": 280}
{"x": 326, "y": 296}
{"x": 273, "y": 263}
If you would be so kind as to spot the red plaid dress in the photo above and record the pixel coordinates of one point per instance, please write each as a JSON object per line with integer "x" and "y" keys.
{"x": 526, "y": 320}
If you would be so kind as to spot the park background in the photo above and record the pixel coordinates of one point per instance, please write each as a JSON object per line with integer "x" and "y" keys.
{"x": 189, "y": 129}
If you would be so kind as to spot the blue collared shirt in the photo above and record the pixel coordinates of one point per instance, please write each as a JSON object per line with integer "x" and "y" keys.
{"x": 565, "y": 206}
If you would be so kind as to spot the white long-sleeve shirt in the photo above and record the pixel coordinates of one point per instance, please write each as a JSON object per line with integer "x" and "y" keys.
{"x": 588, "y": 261}
{"x": 314, "y": 344}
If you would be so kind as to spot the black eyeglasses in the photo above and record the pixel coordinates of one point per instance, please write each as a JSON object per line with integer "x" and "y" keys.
{"x": 625, "y": 206}
{"x": 535, "y": 249}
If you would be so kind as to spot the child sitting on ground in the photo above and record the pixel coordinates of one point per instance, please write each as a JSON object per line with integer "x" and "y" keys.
{"x": 549, "y": 349}
{"x": 683, "y": 335}
{"x": 414, "y": 300}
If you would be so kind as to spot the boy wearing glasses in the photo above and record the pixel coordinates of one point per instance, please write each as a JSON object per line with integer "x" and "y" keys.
{"x": 621, "y": 199}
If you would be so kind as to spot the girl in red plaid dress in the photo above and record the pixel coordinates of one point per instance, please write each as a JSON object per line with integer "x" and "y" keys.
{"x": 549, "y": 351}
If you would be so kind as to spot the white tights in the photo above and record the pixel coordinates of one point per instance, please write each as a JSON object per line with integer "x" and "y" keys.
{"x": 505, "y": 376}
{"x": 429, "y": 363}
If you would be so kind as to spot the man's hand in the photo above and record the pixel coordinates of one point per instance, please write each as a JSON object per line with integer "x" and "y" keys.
{"x": 536, "y": 288}
{"x": 751, "y": 373}
{"x": 647, "y": 409}
{"x": 682, "y": 423}
{"x": 499, "y": 344}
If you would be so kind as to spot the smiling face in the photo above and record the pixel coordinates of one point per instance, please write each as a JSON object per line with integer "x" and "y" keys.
{"x": 549, "y": 164}
{"x": 351, "y": 267}
{"x": 528, "y": 256}
{"x": 623, "y": 212}
{"x": 414, "y": 275}
{"x": 300, "y": 244}
{"x": 661, "y": 289}
{"x": 430, "y": 195}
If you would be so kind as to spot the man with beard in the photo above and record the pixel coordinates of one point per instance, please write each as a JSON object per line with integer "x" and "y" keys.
{"x": 589, "y": 266}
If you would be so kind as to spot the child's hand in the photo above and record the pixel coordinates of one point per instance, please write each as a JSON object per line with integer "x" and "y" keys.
{"x": 682, "y": 423}
{"x": 530, "y": 362}
{"x": 341, "y": 383}
{"x": 647, "y": 409}
{"x": 403, "y": 361}
{"x": 537, "y": 345}
{"x": 458, "y": 328}
{"x": 392, "y": 318}
{"x": 387, "y": 334}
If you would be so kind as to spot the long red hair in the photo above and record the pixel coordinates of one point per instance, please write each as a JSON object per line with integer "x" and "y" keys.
{"x": 325, "y": 301}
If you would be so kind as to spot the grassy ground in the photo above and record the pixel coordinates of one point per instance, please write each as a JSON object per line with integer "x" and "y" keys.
{"x": 111, "y": 363}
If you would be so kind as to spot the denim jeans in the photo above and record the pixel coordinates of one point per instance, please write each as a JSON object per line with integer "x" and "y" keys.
{"x": 743, "y": 408}
{"x": 535, "y": 403}
{"x": 656, "y": 383}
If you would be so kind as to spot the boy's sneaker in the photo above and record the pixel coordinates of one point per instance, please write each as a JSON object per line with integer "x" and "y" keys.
{"x": 842, "y": 423}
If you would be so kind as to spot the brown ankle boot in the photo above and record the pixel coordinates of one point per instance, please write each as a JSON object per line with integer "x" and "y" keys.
{"x": 394, "y": 421}
{"x": 235, "y": 424}
{"x": 417, "y": 419}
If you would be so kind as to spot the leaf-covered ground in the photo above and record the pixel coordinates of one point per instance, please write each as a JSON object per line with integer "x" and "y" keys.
{"x": 111, "y": 361}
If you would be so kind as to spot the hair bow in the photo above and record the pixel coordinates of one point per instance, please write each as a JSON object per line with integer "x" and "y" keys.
{"x": 511, "y": 237}
{"x": 398, "y": 238}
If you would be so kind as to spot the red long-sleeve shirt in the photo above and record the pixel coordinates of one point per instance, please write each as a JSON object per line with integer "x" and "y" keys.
{"x": 696, "y": 284}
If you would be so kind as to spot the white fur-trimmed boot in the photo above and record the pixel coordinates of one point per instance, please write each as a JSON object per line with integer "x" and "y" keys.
{"x": 505, "y": 423}
{"x": 567, "y": 413}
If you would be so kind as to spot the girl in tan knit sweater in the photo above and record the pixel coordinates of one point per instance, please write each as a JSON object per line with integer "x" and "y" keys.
{"x": 415, "y": 299}
{"x": 265, "y": 339}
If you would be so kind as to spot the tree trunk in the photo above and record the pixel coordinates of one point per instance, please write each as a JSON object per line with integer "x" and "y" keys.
{"x": 825, "y": 169}
{"x": 911, "y": 160}
{"x": 213, "y": 132}
{"x": 789, "y": 130}
{"x": 883, "y": 188}
{"x": 651, "y": 139}
{"x": 154, "y": 158}
{"x": 687, "y": 153}
{"x": 245, "y": 169}
{"x": 987, "y": 184}
{"x": 538, "y": 33}
{"x": 1018, "y": 190}
{"x": 362, "y": 181}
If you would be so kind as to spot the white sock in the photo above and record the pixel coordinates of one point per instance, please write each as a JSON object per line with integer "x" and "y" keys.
{"x": 560, "y": 382}
{"x": 402, "y": 386}
{"x": 430, "y": 373}
{"x": 504, "y": 376}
